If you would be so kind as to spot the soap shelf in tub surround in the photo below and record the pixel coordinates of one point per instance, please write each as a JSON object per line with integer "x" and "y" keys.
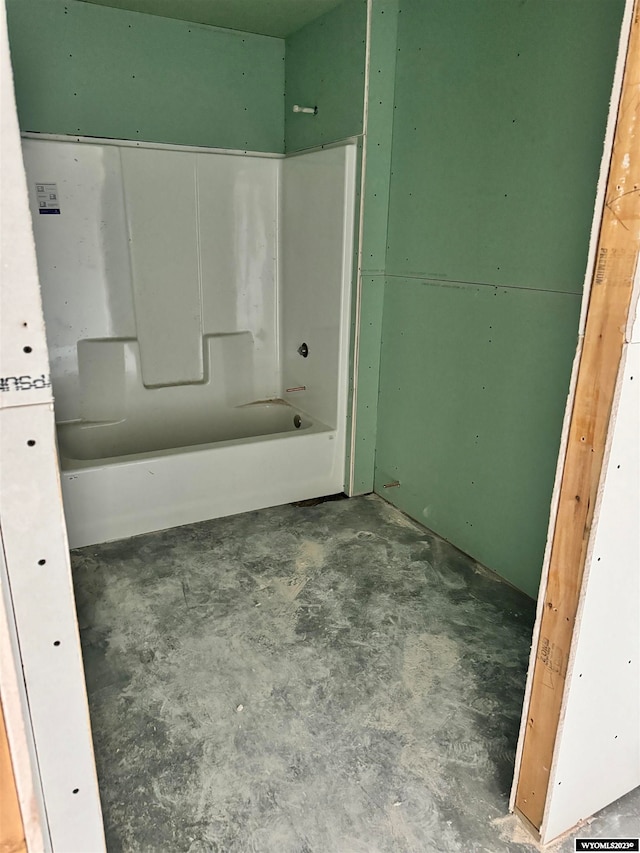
{"x": 120, "y": 416}
{"x": 111, "y": 381}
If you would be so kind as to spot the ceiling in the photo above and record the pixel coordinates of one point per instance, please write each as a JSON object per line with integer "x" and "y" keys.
{"x": 268, "y": 17}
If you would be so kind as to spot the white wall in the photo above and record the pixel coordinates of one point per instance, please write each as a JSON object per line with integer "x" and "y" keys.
{"x": 56, "y": 779}
{"x": 162, "y": 245}
{"x": 316, "y": 261}
{"x": 597, "y": 753}
{"x": 165, "y": 246}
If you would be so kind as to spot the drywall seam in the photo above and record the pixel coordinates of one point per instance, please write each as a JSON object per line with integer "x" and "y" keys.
{"x": 187, "y": 149}
{"x": 456, "y": 282}
{"x": 161, "y": 146}
{"x": 278, "y": 268}
{"x": 382, "y": 60}
{"x": 463, "y": 241}
{"x": 391, "y": 142}
{"x": 323, "y": 146}
{"x": 555, "y": 496}
{"x": 200, "y": 25}
{"x": 358, "y": 289}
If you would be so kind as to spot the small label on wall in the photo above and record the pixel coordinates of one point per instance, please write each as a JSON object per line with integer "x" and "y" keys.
{"x": 48, "y": 201}
{"x": 25, "y": 383}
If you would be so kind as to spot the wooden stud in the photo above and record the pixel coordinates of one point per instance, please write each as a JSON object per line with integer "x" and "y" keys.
{"x": 12, "y": 838}
{"x": 609, "y": 304}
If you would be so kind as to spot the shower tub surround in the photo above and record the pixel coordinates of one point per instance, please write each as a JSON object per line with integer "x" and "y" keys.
{"x": 179, "y": 286}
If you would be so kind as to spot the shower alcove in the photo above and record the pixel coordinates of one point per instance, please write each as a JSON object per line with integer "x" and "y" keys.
{"x": 179, "y": 287}
{"x": 226, "y": 332}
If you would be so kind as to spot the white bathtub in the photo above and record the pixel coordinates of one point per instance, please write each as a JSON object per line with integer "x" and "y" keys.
{"x": 85, "y": 443}
{"x": 114, "y": 496}
{"x": 178, "y": 289}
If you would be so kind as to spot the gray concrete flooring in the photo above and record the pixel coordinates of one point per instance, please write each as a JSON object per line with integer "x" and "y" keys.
{"x": 325, "y": 679}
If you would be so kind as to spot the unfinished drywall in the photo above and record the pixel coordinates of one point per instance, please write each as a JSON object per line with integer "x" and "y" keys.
{"x": 498, "y": 128}
{"x": 325, "y": 67}
{"x": 37, "y": 587}
{"x": 270, "y": 17}
{"x": 383, "y": 32}
{"x": 469, "y": 431}
{"x": 89, "y": 70}
{"x": 602, "y": 707}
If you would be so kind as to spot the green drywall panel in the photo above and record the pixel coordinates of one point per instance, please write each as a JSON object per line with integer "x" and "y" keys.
{"x": 95, "y": 71}
{"x": 270, "y": 17}
{"x": 379, "y": 132}
{"x": 325, "y": 67}
{"x": 367, "y": 383}
{"x": 500, "y": 117}
{"x": 473, "y": 386}
{"x": 384, "y": 31}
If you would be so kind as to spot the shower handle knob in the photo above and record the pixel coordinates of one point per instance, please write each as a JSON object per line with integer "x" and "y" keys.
{"x": 303, "y": 350}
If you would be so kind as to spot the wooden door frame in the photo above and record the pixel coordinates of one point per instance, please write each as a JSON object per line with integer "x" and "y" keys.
{"x": 12, "y": 836}
{"x": 22, "y": 814}
{"x": 607, "y": 306}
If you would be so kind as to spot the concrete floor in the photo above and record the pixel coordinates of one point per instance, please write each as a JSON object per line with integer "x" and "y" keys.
{"x": 306, "y": 680}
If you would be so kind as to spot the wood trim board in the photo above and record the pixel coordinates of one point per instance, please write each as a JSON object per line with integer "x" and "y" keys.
{"x": 12, "y": 837}
{"x": 17, "y": 722}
